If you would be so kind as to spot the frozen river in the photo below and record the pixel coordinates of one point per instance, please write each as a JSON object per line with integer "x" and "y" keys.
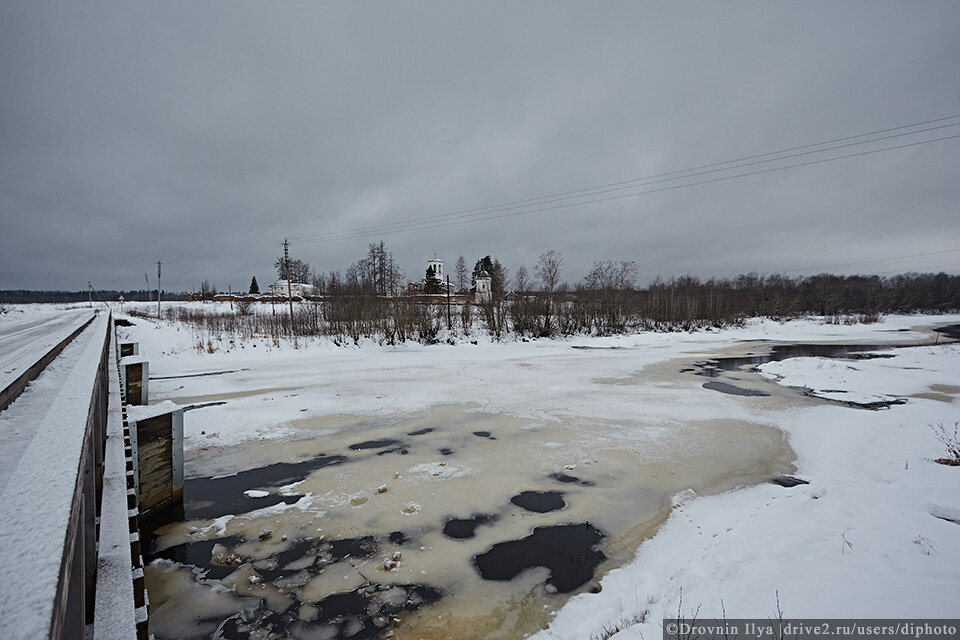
{"x": 485, "y": 518}
{"x": 443, "y": 492}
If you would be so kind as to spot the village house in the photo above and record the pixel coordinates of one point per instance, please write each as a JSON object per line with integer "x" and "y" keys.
{"x": 298, "y": 289}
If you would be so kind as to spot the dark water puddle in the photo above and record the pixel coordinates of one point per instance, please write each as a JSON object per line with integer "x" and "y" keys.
{"x": 465, "y": 528}
{"x": 197, "y": 375}
{"x": 568, "y": 551}
{"x": 716, "y": 367}
{"x": 446, "y": 451}
{"x": 374, "y": 444}
{"x": 484, "y": 434}
{"x": 568, "y": 479}
{"x": 712, "y": 368}
{"x": 724, "y": 387}
{"x": 366, "y": 612}
{"x": 422, "y": 432}
{"x": 539, "y": 501}
{"x": 398, "y": 538}
{"x": 199, "y": 554}
{"x": 872, "y": 406}
{"x": 788, "y": 481}
{"x": 362, "y": 614}
{"x": 593, "y": 348}
{"x": 326, "y": 552}
{"x": 208, "y": 497}
{"x": 402, "y": 450}
{"x": 951, "y": 331}
{"x": 706, "y": 370}
{"x": 203, "y": 405}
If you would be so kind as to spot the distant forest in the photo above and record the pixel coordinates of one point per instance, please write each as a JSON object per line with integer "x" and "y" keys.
{"x": 22, "y": 296}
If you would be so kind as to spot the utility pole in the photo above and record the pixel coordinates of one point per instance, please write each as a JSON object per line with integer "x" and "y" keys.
{"x": 149, "y": 291}
{"x": 89, "y": 294}
{"x": 286, "y": 263}
{"x": 158, "y": 289}
{"x": 449, "y": 323}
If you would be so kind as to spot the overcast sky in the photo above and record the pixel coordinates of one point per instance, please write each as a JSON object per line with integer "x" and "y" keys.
{"x": 203, "y": 133}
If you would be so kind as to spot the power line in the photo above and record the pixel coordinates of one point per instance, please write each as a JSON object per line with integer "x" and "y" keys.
{"x": 850, "y": 264}
{"x": 587, "y": 195}
{"x": 575, "y": 194}
{"x": 935, "y": 266}
{"x": 416, "y": 226}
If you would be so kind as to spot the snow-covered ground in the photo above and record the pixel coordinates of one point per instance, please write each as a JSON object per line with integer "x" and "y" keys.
{"x": 873, "y": 534}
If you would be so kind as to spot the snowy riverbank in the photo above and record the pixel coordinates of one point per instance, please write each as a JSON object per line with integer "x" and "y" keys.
{"x": 875, "y": 533}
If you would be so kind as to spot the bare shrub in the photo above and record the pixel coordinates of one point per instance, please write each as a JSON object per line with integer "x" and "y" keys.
{"x": 607, "y": 631}
{"x": 466, "y": 317}
{"x": 951, "y": 441}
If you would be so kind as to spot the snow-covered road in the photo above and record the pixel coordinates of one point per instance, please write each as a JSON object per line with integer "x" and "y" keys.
{"x": 25, "y": 336}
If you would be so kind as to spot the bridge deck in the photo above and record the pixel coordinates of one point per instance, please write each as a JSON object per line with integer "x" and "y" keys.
{"x": 42, "y": 439}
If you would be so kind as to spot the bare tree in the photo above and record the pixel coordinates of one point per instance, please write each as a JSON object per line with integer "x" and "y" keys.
{"x": 461, "y": 274}
{"x": 299, "y": 270}
{"x": 207, "y": 291}
{"x": 606, "y": 288}
{"x": 548, "y": 269}
{"x": 521, "y": 281}
{"x": 377, "y": 273}
{"x": 495, "y": 309}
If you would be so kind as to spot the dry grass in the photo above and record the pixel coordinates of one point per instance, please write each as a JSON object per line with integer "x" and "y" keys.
{"x": 951, "y": 441}
{"x": 607, "y": 631}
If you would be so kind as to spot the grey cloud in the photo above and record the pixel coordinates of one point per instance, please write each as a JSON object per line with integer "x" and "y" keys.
{"x": 202, "y": 134}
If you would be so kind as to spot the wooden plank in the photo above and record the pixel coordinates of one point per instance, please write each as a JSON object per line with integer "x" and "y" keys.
{"x": 155, "y": 454}
{"x": 134, "y": 383}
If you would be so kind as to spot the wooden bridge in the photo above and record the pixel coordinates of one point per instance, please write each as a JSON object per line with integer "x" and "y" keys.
{"x": 72, "y": 477}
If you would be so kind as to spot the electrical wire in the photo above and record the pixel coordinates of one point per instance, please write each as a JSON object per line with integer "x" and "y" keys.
{"x": 587, "y": 195}
{"x": 417, "y": 226}
{"x": 610, "y": 188}
{"x": 850, "y": 264}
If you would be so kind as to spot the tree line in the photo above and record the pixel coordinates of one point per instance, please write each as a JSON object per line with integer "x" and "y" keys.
{"x": 365, "y": 301}
{"x": 25, "y": 296}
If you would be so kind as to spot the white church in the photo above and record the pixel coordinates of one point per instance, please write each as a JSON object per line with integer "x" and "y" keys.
{"x": 482, "y": 284}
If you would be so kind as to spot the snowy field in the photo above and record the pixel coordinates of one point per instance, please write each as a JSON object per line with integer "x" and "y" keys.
{"x": 875, "y": 533}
